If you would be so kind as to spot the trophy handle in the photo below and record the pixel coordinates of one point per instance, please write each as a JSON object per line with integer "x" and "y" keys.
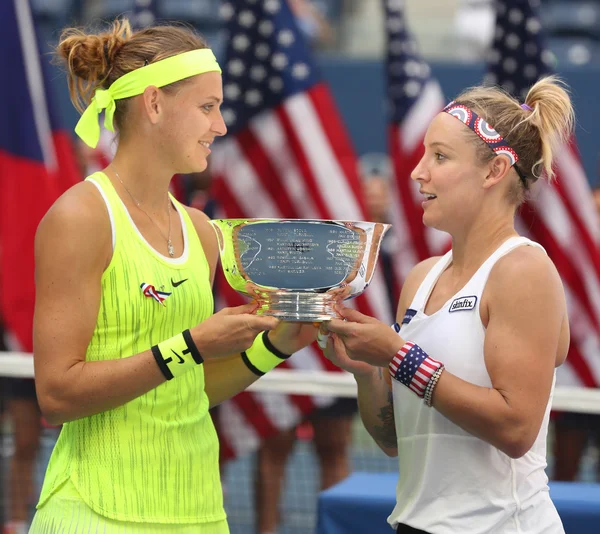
{"x": 378, "y": 232}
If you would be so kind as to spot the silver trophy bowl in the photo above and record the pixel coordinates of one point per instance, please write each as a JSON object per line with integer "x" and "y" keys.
{"x": 297, "y": 269}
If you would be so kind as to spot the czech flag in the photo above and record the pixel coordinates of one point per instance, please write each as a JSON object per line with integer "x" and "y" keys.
{"x": 37, "y": 163}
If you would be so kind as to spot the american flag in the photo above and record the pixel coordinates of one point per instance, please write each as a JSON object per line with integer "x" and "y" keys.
{"x": 560, "y": 216}
{"x": 412, "y": 367}
{"x": 287, "y": 155}
{"x": 414, "y": 98}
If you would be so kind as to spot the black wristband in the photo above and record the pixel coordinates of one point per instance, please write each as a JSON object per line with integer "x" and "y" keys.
{"x": 250, "y": 365}
{"x": 192, "y": 347}
{"x": 161, "y": 363}
{"x": 177, "y": 355}
{"x": 272, "y": 347}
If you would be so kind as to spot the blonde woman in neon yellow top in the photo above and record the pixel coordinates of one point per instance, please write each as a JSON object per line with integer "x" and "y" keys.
{"x": 128, "y": 354}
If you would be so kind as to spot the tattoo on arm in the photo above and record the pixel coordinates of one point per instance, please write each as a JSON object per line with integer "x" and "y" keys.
{"x": 385, "y": 433}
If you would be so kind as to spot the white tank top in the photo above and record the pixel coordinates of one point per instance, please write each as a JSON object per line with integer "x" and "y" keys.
{"x": 451, "y": 481}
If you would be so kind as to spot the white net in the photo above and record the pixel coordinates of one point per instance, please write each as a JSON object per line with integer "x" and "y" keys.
{"x": 297, "y": 509}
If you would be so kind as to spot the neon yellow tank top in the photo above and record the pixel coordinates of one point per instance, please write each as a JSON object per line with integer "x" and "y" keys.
{"x": 154, "y": 459}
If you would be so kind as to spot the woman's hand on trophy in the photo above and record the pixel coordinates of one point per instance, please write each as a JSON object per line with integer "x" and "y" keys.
{"x": 230, "y": 331}
{"x": 364, "y": 338}
{"x": 335, "y": 351}
{"x": 291, "y": 336}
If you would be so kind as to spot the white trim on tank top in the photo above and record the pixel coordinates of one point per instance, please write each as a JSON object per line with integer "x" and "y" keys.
{"x": 181, "y": 259}
{"x": 110, "y": 213}
{"x": 443, "y": 263}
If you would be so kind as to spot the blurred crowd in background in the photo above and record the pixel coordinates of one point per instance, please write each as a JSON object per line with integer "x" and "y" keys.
{"x": 446, "y": 29}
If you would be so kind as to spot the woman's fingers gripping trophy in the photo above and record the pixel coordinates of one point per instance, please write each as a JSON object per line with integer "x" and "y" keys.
{"x": 364, "y": 338}
{"x": 334, "y": 350}
{"x": 290, "y": 337}
{"x": 230, "y": 331}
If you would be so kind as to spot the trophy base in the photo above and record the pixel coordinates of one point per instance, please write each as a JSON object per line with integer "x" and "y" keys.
{"x": 300, "y": 307}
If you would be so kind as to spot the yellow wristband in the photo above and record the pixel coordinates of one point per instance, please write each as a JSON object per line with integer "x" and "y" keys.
{"x": 262, "y": 356}
{"x": 177, "y": 355}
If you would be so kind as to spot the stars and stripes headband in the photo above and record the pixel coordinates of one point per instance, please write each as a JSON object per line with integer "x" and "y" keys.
{"x": 486, "y": 133}
{"x": 159, "y": 74}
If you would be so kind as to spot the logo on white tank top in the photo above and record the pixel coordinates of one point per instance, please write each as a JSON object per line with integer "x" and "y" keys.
{"x": 408, "y": 316}
{"x": 463, "y": 304}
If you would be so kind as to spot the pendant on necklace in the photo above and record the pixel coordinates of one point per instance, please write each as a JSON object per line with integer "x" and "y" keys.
{"x": 171, "y": 249}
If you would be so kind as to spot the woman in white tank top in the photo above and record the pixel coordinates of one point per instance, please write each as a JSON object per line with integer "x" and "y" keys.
{"x": 471, "y": 360}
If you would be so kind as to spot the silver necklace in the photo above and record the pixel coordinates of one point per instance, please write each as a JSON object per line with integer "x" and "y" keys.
{"x": 170, "y": 247}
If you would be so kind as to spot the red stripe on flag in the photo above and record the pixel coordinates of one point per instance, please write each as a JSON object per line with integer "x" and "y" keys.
{"x": 254, "y": 414}
{"x": 413, "y": 213}
{"x": 304, "y": 404}
{"x": 225, "y": 451}
{"x": 28, "y": 190}
{"x": 327, "y": 365}
{"x": 364, "y": 306}
{"x": 428, "y": 364}
{"x": 590, "y": 247}
{"x": 302, "y": 162}
{"x": 227, "y": 199}
{"x": 564, "y": 265}
{"x": 418, "y": 381}
{"x": 339, "y": 142}
{"x": 576, "y": 360}
{"x": 266, "y": 173}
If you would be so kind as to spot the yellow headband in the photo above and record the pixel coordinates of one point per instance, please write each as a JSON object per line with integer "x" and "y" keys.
{"x": 159, "y": 74}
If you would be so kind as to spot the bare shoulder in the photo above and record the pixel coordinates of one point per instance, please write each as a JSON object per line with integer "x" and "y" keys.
{"x": 416, "y": 276}
{"x": 201, "y": 223}
{"x": 418, "y": 273}
{"x": 73, "y": 247}
{"x": 80, "y": 217}
{"x": 525, "y": 268}
{"x": 414, "y": 279}
{"x": 524, "y": 299}
{"x": 197, "y": 216}
{"x": 207, "y": 235}
{"x": 526, "y": 281}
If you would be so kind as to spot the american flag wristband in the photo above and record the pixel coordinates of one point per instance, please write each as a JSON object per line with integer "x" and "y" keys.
{"x": 413, "y": 367}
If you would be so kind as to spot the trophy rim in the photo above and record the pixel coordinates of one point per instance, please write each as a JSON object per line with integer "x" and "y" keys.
{"x": 287, "y": 219}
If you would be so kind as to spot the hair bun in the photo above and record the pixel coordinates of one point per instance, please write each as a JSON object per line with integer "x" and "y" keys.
{"x": 96, "y": 60}
{"x": 91, "y": 56}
